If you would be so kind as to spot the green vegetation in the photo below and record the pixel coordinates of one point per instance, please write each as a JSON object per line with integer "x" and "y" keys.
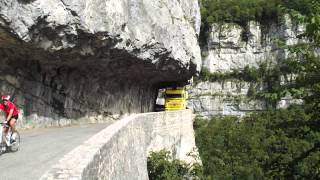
{"x": 267, "y": 75}
{"x": 161, "y": 166}
{"x": 238, "y": 11}
{"x": 269, "y": 145}
{"x": 249, "y": 74}
{"x": 242, "y": 11}
{"x": 276, "y": 144}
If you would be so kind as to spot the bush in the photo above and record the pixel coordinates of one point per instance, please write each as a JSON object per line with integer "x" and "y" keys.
{"x": 248, "y": 74}
{"x": 270, "y": 76}
{"x": 161, "y": 166}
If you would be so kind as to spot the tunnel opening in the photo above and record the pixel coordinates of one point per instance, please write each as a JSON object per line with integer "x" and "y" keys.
{"x": 172, "y": 96}
{"x": 48, "y": 88}
{"x": 67, "y": 84}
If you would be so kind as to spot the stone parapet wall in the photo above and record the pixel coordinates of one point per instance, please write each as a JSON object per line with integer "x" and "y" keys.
{"x": 120, "y": 151}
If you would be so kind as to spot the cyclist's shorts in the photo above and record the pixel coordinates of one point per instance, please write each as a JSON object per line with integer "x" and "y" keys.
{"x": 15, "y": 117}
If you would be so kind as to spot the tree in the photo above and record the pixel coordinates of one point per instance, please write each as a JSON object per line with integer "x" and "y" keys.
{"x": 269, "y": 145}
{"x": 276, "y": 144}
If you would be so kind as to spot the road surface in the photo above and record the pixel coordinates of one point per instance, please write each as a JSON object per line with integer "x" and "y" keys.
{"x": 40, "y": 149}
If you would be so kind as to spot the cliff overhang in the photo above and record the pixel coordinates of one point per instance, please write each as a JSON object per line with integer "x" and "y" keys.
{"x": 84, "y": 58}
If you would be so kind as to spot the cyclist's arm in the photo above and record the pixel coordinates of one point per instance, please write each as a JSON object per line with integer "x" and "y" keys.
{"x": 1, "y": 107}
{"x": 10, "y": 114}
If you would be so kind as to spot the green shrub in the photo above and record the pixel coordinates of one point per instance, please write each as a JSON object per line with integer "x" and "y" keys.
{"x": 161, "y": 166}
{"x": 270, "y": 76}
{"x": 252, "y": 92}
{"x": 249, "y": 74}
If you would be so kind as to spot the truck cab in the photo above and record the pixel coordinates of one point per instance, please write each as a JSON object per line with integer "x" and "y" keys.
{"x": 175, "y": 98}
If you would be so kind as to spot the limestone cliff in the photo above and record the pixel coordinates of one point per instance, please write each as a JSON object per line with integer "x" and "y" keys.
{"x": 232, "y": 47}
{"x": 65, "y": 60}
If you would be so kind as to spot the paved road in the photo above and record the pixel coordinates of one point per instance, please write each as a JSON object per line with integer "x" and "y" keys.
{"x": 40, "y": 149}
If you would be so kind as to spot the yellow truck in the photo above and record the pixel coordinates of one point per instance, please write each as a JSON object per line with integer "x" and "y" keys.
{"x": 175, "y": 99}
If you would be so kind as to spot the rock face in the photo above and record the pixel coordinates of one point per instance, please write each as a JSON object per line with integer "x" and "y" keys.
{"x": 223, "y": 98}
{"x": 232, "y": 47}
{"x": 66, "y": 60}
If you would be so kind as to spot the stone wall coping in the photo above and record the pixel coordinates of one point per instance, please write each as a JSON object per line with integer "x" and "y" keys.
{"x": 76, "y": 160}
{"x": 73, "y": 164}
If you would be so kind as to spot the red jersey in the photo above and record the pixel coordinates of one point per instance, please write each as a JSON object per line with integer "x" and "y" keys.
{"x": 7, "y": 108}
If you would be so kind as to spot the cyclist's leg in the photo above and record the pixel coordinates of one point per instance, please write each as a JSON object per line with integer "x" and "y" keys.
{"x": 4, "y": 134}
{"x": 5, "y": 130}
{"x": 12, "y": 124}
{"x": 3, "y": 139}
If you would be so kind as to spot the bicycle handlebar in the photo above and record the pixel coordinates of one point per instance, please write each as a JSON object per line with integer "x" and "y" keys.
{"x": 5, "y": 124}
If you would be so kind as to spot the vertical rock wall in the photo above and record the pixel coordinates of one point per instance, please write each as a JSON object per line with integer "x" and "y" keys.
{"x": 229, "y": 97}
{"x": 232, "y": 47}
{"x": 60, "y": 94}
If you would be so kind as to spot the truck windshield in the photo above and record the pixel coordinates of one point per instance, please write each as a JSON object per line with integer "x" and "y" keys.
{"x": 173, "y": 96}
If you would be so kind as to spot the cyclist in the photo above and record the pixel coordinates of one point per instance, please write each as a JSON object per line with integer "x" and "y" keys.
{"x": 12, "y": 112}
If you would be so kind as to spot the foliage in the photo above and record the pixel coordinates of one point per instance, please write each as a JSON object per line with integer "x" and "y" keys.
{"x": 248, "y": 74}
{"x": 305, "y": 61}
{"x": 276, "y": 144}
{"x": 161, "y": 166}
{"x": 239, "y": 11}
{"x": 269, "y": 145}
{"x": 265, "y": 74}
{"x": 227, "y": 152}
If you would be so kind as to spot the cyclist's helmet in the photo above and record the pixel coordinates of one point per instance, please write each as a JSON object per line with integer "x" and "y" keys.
{"x": 5, "y": 98}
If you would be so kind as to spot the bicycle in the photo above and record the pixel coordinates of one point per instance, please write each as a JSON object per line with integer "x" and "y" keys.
{"x": 6, "y": 142}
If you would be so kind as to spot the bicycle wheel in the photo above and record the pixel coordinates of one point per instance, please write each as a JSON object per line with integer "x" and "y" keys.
{"x": 15, "y": 146}
{"x": 1, "y": 148}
